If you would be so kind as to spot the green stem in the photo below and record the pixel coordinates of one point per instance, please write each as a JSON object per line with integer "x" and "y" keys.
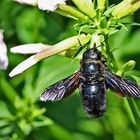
{"x": 115, "y": 66}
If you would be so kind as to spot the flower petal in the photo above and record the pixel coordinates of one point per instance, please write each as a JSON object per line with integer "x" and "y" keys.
{"x": 3, "y": 61}
{"x": 49, "y": 5}
{"x": 3, "y": 53}
{"x": 23, "y": 66}
{"x": 29, "y": 2}
{"x": 29, "y": 48}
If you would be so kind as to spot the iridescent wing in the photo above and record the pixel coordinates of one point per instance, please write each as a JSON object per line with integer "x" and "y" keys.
{"x": 122, "y": 85}
{"x": 61, "y": 89}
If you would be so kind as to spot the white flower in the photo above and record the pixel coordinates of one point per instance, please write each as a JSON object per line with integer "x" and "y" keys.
{"x": 29, "y": 48}
{"x": 3, "y": 53}
{"x": 45, "y": 52}
{"x": 49, "y": 5}
{"x": 30, "y": 2}
{"x": 23, "y": 66}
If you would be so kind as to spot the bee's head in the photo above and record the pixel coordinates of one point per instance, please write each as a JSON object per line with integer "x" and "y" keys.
{"x": 92, "y": 53}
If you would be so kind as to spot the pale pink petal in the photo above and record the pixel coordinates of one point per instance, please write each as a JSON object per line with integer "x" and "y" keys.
{"x": 3, "y": 52}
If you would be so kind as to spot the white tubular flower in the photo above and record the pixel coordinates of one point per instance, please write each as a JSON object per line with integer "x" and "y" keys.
{"x": 23, "y": 66}
{"x": 47, "y": 52}
{"x": 49, "y": 5}
{"x": 29, "y": 2}
{"x": 3, "y": 53}
{"x": 29, "y": 48}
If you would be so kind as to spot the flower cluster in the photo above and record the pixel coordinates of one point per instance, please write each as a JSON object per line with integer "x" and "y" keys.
{"x": 93, "y": 19}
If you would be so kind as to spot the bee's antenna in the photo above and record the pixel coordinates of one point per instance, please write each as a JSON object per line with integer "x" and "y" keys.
{"x": 80, "y": 43}
{"x": 94, "y": 45}
{"x": 80, "y": 49}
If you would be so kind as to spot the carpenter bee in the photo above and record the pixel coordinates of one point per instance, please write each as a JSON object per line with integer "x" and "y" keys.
{"x": 92, "y": 79}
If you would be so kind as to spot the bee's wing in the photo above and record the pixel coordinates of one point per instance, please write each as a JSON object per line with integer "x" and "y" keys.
{"x": 122, "y": 85}
{"x": 61, "y": 89}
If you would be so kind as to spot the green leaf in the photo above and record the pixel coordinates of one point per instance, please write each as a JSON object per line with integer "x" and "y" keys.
{"x": 134, "y": 109}
{"x": 49, "y": 75}
{"x": 6, "y": 131}
{"x": 4, "y": 111}
{"x": 73, "y": 12}
{"x": 42, "y": 121}
{"x": 109, "y": 10}
{"x": 8, "y": 91}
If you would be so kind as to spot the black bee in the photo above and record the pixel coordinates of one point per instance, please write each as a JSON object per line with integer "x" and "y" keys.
{"x": 92, "y": 79}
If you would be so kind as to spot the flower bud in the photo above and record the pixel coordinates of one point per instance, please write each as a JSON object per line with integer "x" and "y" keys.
{"x": 101, "y": 4}
{"x": 86, "y": 6}
{"x": 125, "y": 8}
{"x": 128, "y": 65}
{"x": 73, "y": 12}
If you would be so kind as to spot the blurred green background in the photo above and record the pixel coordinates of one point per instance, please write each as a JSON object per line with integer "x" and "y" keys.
{"x": 23, "y": 116}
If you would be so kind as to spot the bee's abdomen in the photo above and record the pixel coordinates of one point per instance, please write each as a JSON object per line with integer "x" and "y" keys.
{"x": 93, "y": 98}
